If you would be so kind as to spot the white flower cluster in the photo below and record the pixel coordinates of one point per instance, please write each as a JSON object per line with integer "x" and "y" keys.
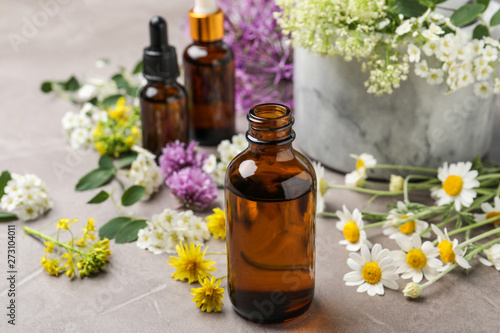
{"x": 362, "y": 30}
{"x": 145, "y": 172}
{"x": 26, "y": 196}
{"x": 167, "y": 229}
{"x": 216, "y": 167}
{"x": 79, "y": 127}
{"x": 461, "y": 60}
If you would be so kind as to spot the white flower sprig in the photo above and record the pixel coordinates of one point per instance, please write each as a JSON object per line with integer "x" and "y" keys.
{"x": 27, "y": 196}
{"x": 145, "y": 172}
{"x": 216, "y": 167}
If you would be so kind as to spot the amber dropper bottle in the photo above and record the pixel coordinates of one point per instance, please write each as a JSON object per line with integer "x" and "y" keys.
{"x": 164, "y": 112}
{"x": 209, "y": 76}
{"x": 270, "y": 199}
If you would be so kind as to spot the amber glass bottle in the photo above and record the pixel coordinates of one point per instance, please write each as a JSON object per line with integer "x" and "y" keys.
{"x": 270, "y": 198}
{"x": 209, "y": 79}
{"x": 163, "y": 101}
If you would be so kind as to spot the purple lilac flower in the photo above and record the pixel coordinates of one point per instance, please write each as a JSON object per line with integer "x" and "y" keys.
{"x": 264, "y": 62}
{"x": 192, "y": 187}
{"x": 176, "y": 156}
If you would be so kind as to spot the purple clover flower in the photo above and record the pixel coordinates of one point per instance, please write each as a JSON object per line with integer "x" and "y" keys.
{"x": 192, "y": 187}
{"x": 176, "y": 156}
{"x": 264, "y": 61}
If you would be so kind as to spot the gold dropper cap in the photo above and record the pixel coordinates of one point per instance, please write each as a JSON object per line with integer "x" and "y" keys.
{"x": 206, "y": 27}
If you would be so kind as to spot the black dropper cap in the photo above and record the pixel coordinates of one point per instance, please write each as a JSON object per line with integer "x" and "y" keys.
{"x": 160, "y": 59}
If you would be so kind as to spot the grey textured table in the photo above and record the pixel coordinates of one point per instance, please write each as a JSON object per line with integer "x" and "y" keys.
{"x": 137, "y": 293}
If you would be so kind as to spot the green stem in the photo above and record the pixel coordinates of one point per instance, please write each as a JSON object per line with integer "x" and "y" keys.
{"x": 479, "y": 237}
{"x": 472, "y": 226}
{"x": 120, "y": 182}
{"x": 223, "y": 277}
{"x": 406, "y": 185}
{"x": 365, "y": 190}
{"x": 123, "y": 210}
{"x": 374, "y": 225}
{"x": 437, "y": 277}
{"x": 480, "y": 248}
{"x": 498, "y": 191}
{"x": 404, "y": 167}
{"x": 431, "y": 212}
{"x": 51, "y": 239}
{"x": 488, "y": 176}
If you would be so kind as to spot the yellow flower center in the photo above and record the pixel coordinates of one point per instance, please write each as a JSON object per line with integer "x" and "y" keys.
{"x": 493, "y": 214}
{"x": 453, "y": 185}
{"x": 351, "y": 232}
{"x": 372, "y": 273}
{"x": 416, "y": 259}
{"x": 407, "y": 228}
{"x": 360, "y": 164}
{"x": 446, "y": 251}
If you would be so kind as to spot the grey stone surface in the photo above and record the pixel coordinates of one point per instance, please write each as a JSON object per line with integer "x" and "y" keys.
{"x": 136, "y": 293}
{"x": 418, "y": 124}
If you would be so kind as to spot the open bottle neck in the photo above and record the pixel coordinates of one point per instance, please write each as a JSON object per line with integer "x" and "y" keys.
{"x": 270, "y": 125}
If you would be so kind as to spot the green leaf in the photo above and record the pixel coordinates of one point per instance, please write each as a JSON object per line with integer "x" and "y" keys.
{"x": 94, "y": 179}
{"x": 128, "y": 233}
{"x": 111, "y": 228}
{"x": 485, "y": 3}
{"x": 466, "y": 14}
{"x": 7, "y": 217}
{"x": 409, "y": 8}
{"x": 495, "y": 19}
{"x": 126, "y": 161}
{"x": 4, "y": 179}
{"x": 72, "y": 84}
{"x": 477, "y": 164}
{"x": 105, "y": 162}
{"x": 100, "y": 197}
{"x": 132, "y": 195}
{"x": 132, "y": 91}
{"x": 120, "y": 81}
{"x": 46, "y": 87}
{"x": 111, "y": 101}
{"x": 480, "y": 31}
{"x": 137, "y": 68}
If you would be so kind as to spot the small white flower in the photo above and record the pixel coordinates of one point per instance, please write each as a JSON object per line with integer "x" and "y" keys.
{"x": 489, "y": 53}
{"x": 458, "y": 181}
{"x": 430, "y": 47}
{"x": 355, "y": 178}
{"x": 395, "y": 216}
{"x": 81, "y": 138}
{"x": 453, "y": 69}
{"x": 416, "y": 260}
{"x": 384, "y": 23}
{"x": 448, "y": 250}
{"x": 465, "y": 52}
{"x": 430, "y": 35}
{"x": 477, "y": 45}
{"x": 365, "y": 161}
{"x": 435, "y": 76}
{"x": 483, "y": 89}
{"x": 239, "y": 141}
{"x": 448, "y": 44}
{"x": 372, "y": 271}
{"x": 413, "y": 53}
{"x": 421, "y": 69}
{"x": 69, "y": 120}
{"x": 209, "y": 164}
{"x": 404, "y": 28}
{"x": 145, "y": 172}
{"x": 496, "y": 89}
{"x": 85, "y": 93}
{"x": 491, "y": 41}
{"x": 435, "y": 29}
{"x": 483, "y": 73}
{"x": 464, "y": 79}
{"x": 493, "y": 255}
{"x": 351, "y": 226}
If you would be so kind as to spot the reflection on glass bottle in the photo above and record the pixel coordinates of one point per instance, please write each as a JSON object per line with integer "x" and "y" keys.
{"x": 270, "y": 197}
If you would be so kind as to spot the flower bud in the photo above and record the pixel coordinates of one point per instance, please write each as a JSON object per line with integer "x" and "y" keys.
{"x": 396, "y": 183}
{"x": 412, "y": 290}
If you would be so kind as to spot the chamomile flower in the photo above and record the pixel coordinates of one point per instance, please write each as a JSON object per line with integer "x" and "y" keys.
{"x": 448, "y": 250}
{"x": 351, "y": 225}
{"x": 490, "y": 212}
{"x": 209, "y": 297}
{"x": 320, "y": 175}
{"x": 355, "y": 178}
{"x": 372, "y": 271}
{"x": 190, "y": 265}
{"x": 493, "y": 257}
{"x": 407, "y": 229}
{"x": 458, "y": 181}
{"x": 416, "y": 260}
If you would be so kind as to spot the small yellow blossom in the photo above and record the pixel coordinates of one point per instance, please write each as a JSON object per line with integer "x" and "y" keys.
{"x": 209, "y": 296}
{"x": 49, "y": 247}
{"x": 65, "y": 223}
{"x": 190, "y": 265}
{"x": 100, "y": 147}
{"x": 51, "y": 265}
{"x": 217, "y": 223}
{"x": 120, "y": 111}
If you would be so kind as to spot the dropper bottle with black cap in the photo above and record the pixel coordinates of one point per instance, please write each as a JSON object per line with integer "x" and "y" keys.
{"x": 163, "y": 100}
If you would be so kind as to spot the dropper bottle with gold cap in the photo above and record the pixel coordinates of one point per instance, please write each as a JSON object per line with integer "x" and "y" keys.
{"x": 209, "y": 76}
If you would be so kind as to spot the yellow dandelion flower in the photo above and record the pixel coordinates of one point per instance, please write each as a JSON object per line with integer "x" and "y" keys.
{"x": 209, "y": 296}
{"x": 217, "y": 223}
{"x": 190, "y": 265}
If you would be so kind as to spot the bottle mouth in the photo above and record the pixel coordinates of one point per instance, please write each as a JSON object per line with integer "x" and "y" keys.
{"x": 270, "y": 123}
